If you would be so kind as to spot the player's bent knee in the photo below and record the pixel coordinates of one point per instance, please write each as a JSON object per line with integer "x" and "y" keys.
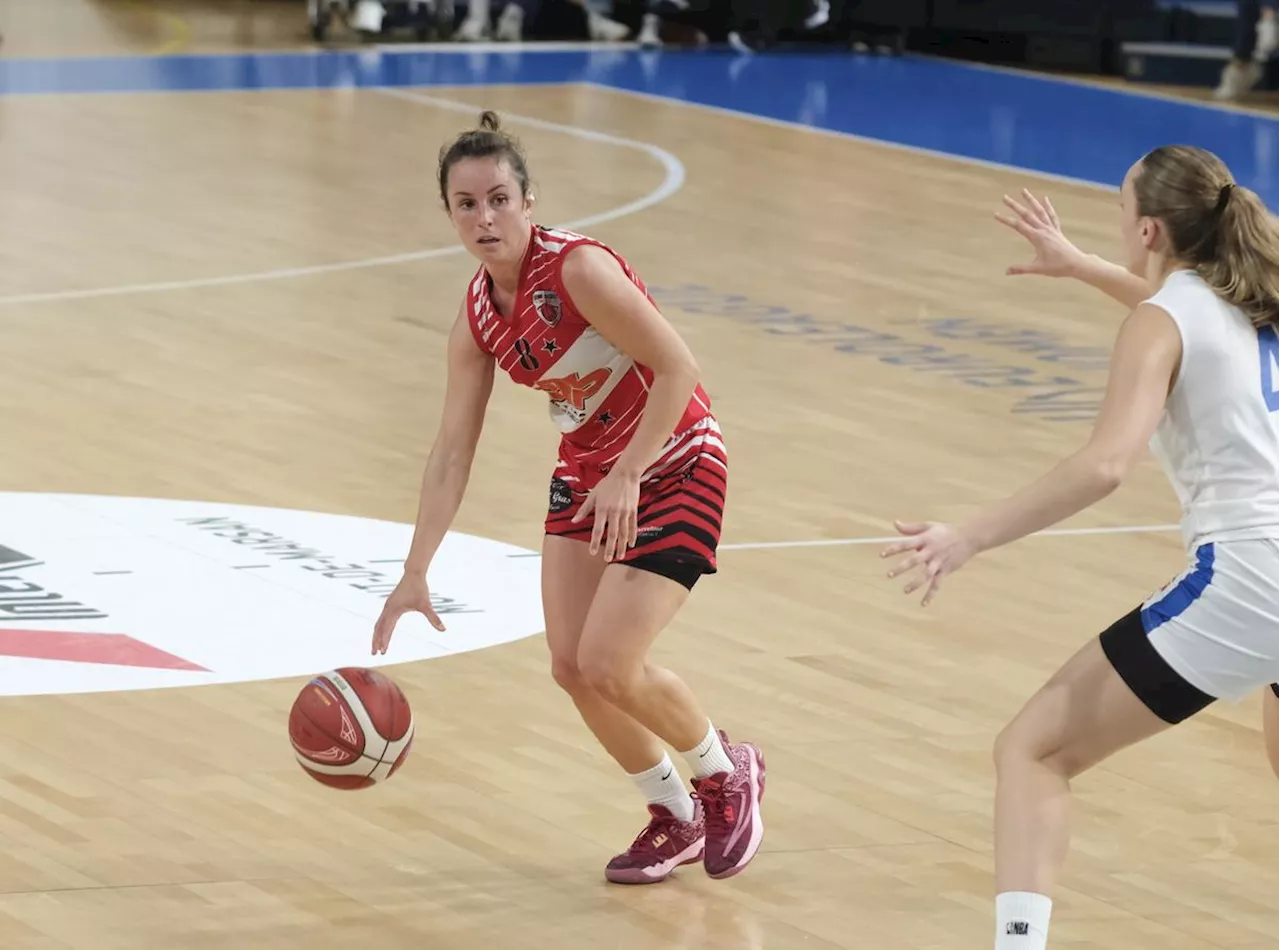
{"x": 1029, "y": 738}
{"x": 1021, "y": 743}
{"x": 1008, "y": 749}
{"x": 565, "y": 671}
{"x": 615, "y": 681}
{"x": 1012, "y": 750}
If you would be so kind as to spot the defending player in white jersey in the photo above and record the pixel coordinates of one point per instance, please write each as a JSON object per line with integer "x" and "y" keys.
{"x": 1194, "y": 375}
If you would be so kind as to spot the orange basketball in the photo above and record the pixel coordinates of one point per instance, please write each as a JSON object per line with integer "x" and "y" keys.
{"x": 351, "y": 728}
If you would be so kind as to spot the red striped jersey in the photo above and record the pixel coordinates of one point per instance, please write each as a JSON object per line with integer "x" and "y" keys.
{"x": 596, "y": 392}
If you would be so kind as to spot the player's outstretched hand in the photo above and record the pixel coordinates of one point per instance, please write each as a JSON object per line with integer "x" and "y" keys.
{"x": 936, "y": 549}
{"x": 1037, "y": 221}
{"x": 410, "y": 594}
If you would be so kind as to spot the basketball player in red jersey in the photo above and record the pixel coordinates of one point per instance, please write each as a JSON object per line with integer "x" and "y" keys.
{"x": 635, "y": 502}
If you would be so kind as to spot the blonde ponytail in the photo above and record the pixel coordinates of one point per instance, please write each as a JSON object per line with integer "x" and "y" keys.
{"x": 1216, "y": 226}
{"x": 1244, "y": 266}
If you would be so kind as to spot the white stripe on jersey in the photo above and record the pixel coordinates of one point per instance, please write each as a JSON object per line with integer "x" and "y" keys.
{"x": 563, "y": 235}
{"x": 624, "y": 425}
{"x": 692, "y": 441}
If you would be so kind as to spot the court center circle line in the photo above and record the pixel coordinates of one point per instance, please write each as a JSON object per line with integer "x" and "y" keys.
{"x": 672, "y": 181}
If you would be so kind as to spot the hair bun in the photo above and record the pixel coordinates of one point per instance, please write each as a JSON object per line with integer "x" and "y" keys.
{"x": 486, "y": 140}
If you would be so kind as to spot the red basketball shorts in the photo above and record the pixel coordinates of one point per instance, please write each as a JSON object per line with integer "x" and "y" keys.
{"x": 681, "y": 501}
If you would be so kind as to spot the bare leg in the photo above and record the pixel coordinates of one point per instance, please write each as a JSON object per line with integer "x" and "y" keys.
{"x": 630, "y": 609}
{"x": 1080, "y": 717}
{"x": 676, "y": 833}
{"x": 570, "y": 578}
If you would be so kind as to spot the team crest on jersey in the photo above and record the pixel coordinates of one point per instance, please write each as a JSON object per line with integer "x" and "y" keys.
{"x": 547, "y": 305}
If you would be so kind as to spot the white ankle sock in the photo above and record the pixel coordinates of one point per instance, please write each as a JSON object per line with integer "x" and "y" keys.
{"x": 662, "y": 786}
{"x": 709, "y": 756}
{"x": 1022, "y": 920}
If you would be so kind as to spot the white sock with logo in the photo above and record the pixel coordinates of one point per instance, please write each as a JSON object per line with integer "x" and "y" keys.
{"x": 709, "y": 756}
{"x": 662, "y": 785}
{"x": 1022, "y": 920}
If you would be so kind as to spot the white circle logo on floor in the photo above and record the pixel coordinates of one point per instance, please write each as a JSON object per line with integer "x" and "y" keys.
{"x": 100, "y": 593}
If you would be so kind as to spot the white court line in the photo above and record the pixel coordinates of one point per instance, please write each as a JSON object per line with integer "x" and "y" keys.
{"x": 845, "y": 542}
{"x": 853, "y": 136}
{"x": 839, "y": 542}
{"x": 673, "y": 181}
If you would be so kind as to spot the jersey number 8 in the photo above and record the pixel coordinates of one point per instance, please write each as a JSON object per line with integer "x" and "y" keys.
{"x": 525, "y": 352}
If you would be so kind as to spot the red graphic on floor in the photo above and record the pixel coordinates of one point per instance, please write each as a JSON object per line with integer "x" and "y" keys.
{"x": 114, "y": 649}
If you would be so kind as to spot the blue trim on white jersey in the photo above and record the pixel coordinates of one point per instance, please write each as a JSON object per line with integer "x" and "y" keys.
{"x": 1183, "y": 594}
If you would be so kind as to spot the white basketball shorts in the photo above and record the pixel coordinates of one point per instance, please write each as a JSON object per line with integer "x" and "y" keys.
{"x": 1212, "y": 633}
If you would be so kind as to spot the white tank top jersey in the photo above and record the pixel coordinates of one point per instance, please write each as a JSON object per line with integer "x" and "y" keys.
{"x": 1219, "y": 440}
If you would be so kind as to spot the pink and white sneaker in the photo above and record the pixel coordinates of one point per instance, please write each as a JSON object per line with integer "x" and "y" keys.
{"x": 664, "y": 845}
{"x": 735, "y": 827}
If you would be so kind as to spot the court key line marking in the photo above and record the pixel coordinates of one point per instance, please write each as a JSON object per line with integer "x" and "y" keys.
{"x": 673, "y": 180}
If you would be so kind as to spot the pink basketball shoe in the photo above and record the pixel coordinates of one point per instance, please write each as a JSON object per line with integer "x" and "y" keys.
{"x": 664, "y": 845}
{"x": 732, "y": 803}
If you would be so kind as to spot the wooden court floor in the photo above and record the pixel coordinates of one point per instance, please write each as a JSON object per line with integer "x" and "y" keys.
{"x": 177, "y": 818}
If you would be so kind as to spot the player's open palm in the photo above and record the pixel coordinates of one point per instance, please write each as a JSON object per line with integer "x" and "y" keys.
{"x": 1037, "y": 221}
{"x": 410, "y": 594}
{"x": 932, "y": 550}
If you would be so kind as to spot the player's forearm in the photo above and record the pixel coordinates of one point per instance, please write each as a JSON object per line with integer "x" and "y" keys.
{"x": 1112, "y": 279}
{"x": 1070, "y": 487}
{"x": 668, "y": 398}
{"x": 444, "y": 481}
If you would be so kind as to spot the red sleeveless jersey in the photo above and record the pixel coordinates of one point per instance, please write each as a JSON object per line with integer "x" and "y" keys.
{"x": 597, "y": 393}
